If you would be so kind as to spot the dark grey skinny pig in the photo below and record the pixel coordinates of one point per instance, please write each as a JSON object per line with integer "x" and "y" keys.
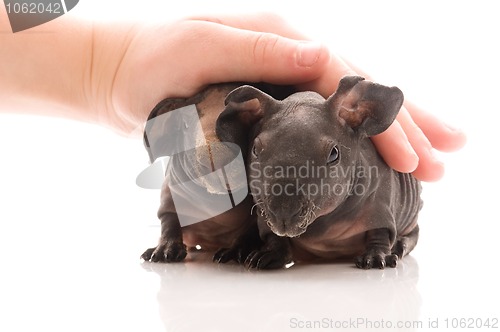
{"x": 320, "y": 188}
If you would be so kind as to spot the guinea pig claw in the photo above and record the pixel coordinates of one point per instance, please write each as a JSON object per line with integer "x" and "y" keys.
{"x": 169, "y": 253}
{"x": 376, "y": 259}
{"x": 265, "y": 260}
{"x": 224, "y": 255}
{"x": 392, "y": 260}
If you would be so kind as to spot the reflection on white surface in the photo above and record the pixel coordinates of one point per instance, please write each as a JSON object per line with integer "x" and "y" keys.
{"x": 202, "y": 296}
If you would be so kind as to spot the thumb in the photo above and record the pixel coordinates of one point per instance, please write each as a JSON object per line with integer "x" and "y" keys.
{"x": 242, "y": 55}
{"x": 178, "y": 60}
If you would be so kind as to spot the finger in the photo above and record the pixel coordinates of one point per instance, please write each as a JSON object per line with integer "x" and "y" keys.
{"x": 199, "y": 53}
{"x": 258, "y": 22}
{"x": 395, "y": 149}
{"x": 324, "y": 84}
{"x": 429, "y": 167}
{"x": 404, "y": 146}
{"x": 442, "y": 136}
{"x": 243, "y": 55}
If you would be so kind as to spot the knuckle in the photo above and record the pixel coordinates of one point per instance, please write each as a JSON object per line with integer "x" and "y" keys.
{"x": 264, "y": 46}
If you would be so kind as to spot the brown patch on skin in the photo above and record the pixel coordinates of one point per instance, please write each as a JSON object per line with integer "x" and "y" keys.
{"x": 223, "y": 229}
{"x": 211, "y": 106}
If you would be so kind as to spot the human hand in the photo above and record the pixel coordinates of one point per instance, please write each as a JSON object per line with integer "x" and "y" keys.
{"x": 178, "y": 59}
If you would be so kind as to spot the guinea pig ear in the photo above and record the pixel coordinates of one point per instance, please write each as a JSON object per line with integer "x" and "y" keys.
{"x": 366, "y": 107}
{"x": 244, "y": 107}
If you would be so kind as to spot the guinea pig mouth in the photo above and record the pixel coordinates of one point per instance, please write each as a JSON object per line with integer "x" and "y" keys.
{"x": 296, "y": 232}
{"x": 293, "y": 227}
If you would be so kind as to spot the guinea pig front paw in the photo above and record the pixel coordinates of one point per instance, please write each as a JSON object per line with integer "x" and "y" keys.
{"x": 168, "y": 252}
{"x": 238, "y": 252}
{"x": 267, "y": 260}
{"x": 225, "y": 255}
{"x": 376, "y": 258}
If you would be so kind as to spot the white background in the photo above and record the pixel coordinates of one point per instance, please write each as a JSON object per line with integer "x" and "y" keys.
{"x": 73, "y": 223}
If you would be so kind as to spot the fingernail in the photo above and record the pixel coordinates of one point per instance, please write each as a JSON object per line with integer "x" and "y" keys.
{"x": 434, "y": 157}
{"x": 435, "y": 169}
{"x": 308, "y": 53}
{"x": 454, "y": 129}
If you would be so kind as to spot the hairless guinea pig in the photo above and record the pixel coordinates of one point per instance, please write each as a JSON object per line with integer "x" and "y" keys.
{"x": 162, "y": 136}
{"x": 320, "y": 187}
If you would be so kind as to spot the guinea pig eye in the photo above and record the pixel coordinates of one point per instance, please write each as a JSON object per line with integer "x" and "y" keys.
{"x": 254, "y": 151}
{"x": 257, "y": 147}
{"x": 334, "y": 155}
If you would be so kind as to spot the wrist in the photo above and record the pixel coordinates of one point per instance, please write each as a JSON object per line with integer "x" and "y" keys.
{"x": 106, "y": 76}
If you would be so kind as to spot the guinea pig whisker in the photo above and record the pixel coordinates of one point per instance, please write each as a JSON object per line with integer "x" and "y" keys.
{"x": 308, "y": 215}
{"x": 303, "y": 213}
{"x": 255, "y": 205}
{"x": 314, "y": 207}
{"x": 258, "y": 204}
